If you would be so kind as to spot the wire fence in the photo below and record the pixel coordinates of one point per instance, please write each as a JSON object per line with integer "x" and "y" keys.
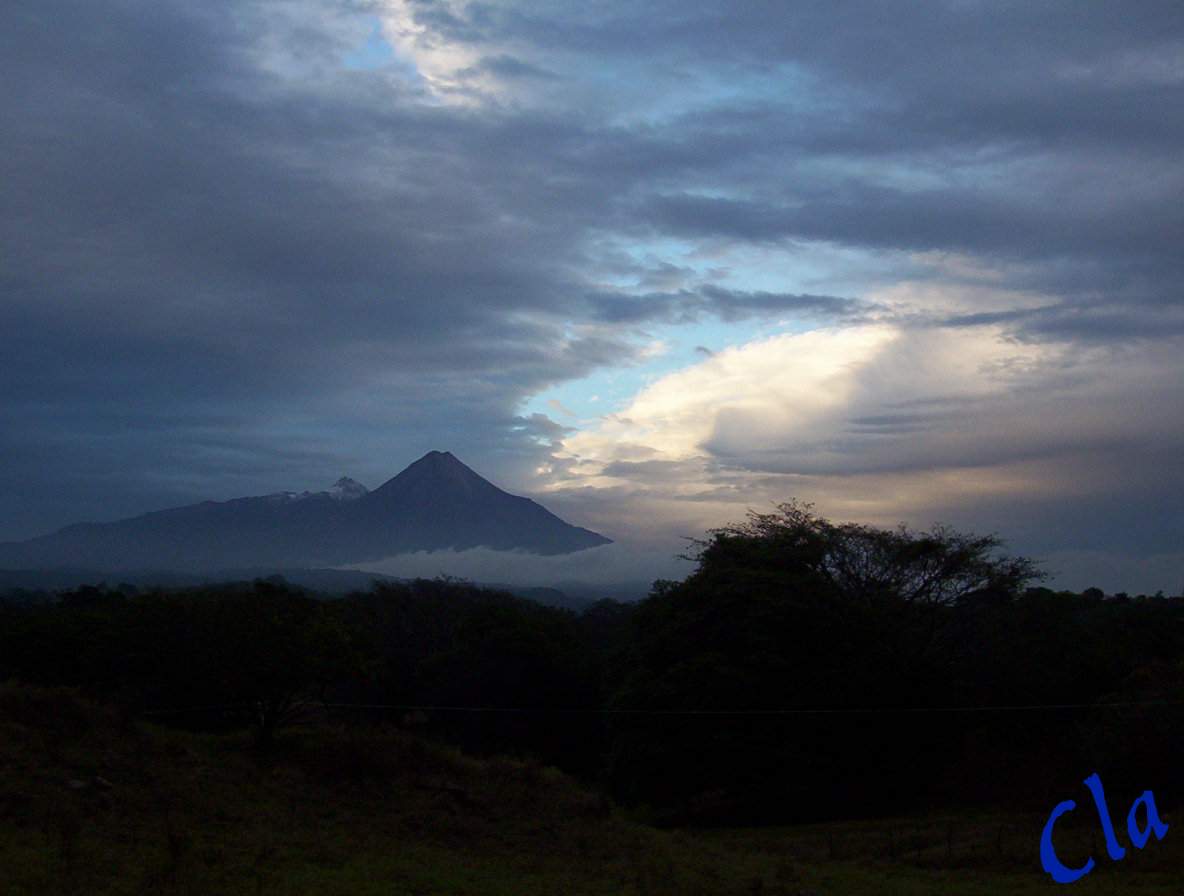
{"x": 624, "y": 711}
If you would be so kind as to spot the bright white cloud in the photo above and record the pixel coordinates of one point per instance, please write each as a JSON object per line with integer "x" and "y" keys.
{"x": 878, "y": 423}
{"x": 786, "y": 381}
{"x": 441, "y": 62}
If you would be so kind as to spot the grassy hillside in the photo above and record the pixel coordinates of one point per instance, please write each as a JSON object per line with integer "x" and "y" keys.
{"x": 92, "y": 802}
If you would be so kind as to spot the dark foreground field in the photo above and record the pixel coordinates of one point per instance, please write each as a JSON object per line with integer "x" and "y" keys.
{"x": 94, "y": 803}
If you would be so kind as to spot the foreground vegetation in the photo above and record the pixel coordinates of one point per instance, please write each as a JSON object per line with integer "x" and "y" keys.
{"x": 93, "y": 802}
{"x": 896, "y": 711}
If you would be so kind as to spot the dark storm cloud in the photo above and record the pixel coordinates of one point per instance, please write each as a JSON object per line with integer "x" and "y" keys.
{"x": 507, "y": 67}
{"x": 1083, "y": 322}
{"x": 688, "y": 305}
{"x": 976, "y": 221}
{"x": 1044, "y": 132}
{"x": 188, "y": 235}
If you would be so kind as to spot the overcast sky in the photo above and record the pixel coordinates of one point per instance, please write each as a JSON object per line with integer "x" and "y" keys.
{"x": 652, "y": 264}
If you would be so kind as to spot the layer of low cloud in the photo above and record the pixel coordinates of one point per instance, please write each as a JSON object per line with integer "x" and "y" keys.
{"x": 608, "y": 565}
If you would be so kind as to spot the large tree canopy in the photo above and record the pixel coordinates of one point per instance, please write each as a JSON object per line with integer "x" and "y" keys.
{"x": 864, "y": 563}
{"x": 790, "y": 630}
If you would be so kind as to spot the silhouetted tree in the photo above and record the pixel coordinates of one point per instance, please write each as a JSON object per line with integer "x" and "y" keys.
{"x": 790, "y": 612}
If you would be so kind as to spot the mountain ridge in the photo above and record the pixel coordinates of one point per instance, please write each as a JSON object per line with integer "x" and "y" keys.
{"x": 435, "y": 503}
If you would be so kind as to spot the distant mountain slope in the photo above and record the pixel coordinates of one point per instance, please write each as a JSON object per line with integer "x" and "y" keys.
{"x": 437, "y": 503}
{"x": 327, "y": 582}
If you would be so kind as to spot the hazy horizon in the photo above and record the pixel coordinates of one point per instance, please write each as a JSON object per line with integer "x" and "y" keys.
{"x": 635, "y": 563}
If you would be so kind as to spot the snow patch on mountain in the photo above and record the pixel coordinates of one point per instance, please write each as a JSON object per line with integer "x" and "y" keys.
{"x": 346, "y": 489}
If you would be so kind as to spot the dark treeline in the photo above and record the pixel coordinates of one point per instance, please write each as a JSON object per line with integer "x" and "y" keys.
{"x": 806, "y": 670}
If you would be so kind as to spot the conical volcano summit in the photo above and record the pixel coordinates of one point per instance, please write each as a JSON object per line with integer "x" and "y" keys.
{"x": 436, "y": 503}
